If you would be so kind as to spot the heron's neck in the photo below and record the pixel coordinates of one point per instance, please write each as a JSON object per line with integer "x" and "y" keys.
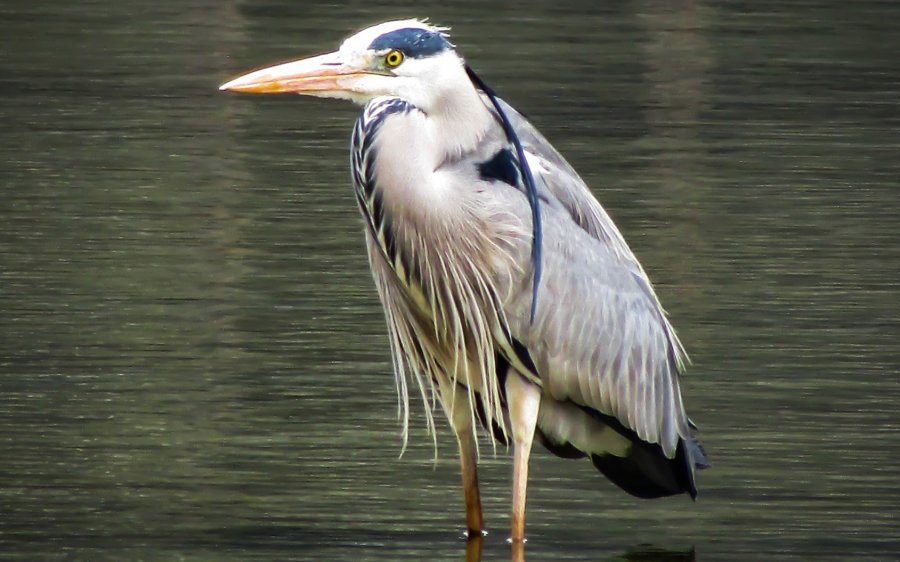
{"x": 411, "y": 148}
{"x": 457, "y": 122}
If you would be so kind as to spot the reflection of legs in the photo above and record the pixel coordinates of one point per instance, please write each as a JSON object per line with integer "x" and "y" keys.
{"x": 524, "y": 400}
{"x": 474, "y": 546}
{"x": 518, "y": 551}
{"x": 459, "y": 413}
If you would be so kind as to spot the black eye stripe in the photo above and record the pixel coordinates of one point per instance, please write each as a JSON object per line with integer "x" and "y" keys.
{"x": 413, "y": 42}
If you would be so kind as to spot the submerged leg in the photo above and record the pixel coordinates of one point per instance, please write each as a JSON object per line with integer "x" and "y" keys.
{"x": 458, "y": 411}
{"x": 524, "y": 400}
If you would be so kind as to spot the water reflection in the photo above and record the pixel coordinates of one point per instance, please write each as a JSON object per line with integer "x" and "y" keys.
{"x": 644, "y": 553}
{"x": 475, "y": 546}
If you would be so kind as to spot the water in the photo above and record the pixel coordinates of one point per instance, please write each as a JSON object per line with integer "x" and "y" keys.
{"x": 193, "y": 360}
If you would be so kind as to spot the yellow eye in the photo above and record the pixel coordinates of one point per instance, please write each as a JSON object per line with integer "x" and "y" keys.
{"x": 393, "y": 59}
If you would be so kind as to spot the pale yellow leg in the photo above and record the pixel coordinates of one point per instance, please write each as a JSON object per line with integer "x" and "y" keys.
{"x": 458, "y": 411}
{"x": 524, "y": 400}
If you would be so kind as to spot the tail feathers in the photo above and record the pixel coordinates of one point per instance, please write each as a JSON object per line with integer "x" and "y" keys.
{"x": 640, "y": 468}
{"x": 647, "y": 473}
{"x": 698, "y": 454}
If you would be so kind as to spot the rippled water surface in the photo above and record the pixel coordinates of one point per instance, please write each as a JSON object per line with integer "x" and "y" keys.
{"x": 193, "y": 362}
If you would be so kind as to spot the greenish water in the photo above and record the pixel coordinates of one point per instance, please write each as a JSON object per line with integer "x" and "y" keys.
{"x": 193, "y": 363}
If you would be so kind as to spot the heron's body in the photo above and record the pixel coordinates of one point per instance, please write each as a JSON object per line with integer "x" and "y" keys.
{"x": 590, "y": 368}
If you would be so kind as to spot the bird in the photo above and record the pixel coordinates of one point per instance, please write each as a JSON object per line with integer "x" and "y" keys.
{"x": 511, "y": 298}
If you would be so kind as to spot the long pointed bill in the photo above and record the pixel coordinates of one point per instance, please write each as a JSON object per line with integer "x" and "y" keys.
{"x": 318, "y": 75}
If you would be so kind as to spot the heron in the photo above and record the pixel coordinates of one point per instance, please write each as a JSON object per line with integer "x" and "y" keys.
{"x": 511, "y": 298}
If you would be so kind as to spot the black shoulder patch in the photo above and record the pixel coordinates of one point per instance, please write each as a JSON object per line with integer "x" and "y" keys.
{"x": 501, "y": 167}
{"x": 524, "y": 356}
{"x": 413, "y": 42}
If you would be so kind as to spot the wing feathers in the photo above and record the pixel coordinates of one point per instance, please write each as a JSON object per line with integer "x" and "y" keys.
{"x": 600, "y": 337}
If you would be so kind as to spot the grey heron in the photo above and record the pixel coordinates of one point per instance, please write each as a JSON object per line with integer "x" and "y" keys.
{"x": 510, "y": 296}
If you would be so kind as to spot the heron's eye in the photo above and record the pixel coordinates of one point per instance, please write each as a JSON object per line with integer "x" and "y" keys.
{"x": 393, "y": 59}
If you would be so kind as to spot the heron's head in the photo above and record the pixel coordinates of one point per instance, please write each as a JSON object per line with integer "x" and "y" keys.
{"x": 408, "y": 59}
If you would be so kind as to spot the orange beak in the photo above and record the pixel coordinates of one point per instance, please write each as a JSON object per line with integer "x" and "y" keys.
{"x": 317, "y": 75}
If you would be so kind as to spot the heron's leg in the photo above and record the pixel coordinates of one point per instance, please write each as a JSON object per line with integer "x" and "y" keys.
{"x": 468, "y": 459}
{"x": 458, "y": 410}
{"x": 524, "y": 400}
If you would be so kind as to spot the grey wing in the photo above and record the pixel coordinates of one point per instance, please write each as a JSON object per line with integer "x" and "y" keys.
{"x": 600, "y": 337}
{"x": 556, "y": 177}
